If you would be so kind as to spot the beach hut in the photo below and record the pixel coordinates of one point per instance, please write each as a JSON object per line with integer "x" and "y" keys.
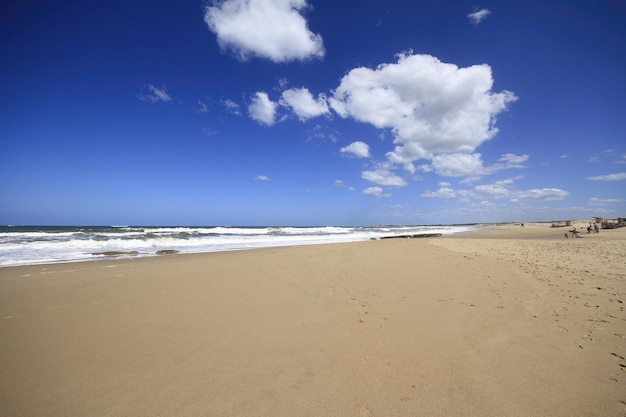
{"x": 612, "y": 223}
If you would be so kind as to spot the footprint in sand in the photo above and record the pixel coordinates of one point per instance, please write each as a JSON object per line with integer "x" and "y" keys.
{"x": 364, "y": 412}
{"x": 621, "y": 364}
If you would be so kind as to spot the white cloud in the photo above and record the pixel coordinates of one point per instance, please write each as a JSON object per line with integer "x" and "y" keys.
{"x": 303, "y": 104}
{"x": 513, "y": 161}
{"x": 431, "y": 107}
{"x": 458, "y": 164}
{"x": 201, "y": 107}
{"x": 471, "y": 165}
{"x": 506, "y": 161}
{"x": 323, "y": 133}
{"x": 543, "y": 194}
{"x": 503, "y": 190}
{"x": 232, "y": 107}
{"x": 494, "y": 191}
{"x": 443, "y": 192}
{"x": 272, "y": 29}
{"x": 375, "y": 191}
{"x": 262, "y": 109}
{"x": 358, "y": 149}
{"x": 383, "y": 176}
{"x": 341, "y": 184}
{"x": 620, "y": 176}
{"x": 155, "y": 94}
{"x": 509, "y": 181}
{"x": 594, "y": 201}
{"x": 479, "y": 15}
{"x": 608, "y": 154}
{"x": 282, "y": 83}
{"x": 261, "y": 178}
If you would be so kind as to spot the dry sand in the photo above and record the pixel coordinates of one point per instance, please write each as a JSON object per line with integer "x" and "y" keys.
{"x": 508, "y": 321}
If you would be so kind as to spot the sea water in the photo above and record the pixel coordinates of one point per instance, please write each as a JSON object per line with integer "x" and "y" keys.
{"x": 20, "y": 245}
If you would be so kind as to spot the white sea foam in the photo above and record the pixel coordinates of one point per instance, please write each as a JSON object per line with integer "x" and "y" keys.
{"x": 31, "y": 245}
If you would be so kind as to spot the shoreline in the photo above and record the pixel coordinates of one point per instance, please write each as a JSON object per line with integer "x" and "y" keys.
{"x": 484, "y": 323}
{"x": 505, "y": 230}
{"x": 43, "y": 245}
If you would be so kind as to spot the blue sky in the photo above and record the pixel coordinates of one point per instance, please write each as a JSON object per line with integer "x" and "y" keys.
{"x": 312, "y": 112}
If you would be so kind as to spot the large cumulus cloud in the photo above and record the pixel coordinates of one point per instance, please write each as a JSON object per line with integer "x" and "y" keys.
{"x": 431, "y": 107}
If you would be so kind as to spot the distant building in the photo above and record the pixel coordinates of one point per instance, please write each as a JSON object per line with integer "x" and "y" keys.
{"x": 606, "y": 223}
{"x": 565, "y": 223}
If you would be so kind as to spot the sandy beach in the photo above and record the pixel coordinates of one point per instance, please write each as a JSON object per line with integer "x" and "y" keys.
{"x": 505, "y": 321}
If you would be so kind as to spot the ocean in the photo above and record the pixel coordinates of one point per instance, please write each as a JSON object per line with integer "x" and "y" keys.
{"x": 29, "y": 245}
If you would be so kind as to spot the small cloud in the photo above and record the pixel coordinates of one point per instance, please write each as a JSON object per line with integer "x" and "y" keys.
{"x": 375, "y": 191}
{"x": 620, "y": 176}
{"x": 478, "y": 16}
{"x": 357, "y": 149}
{"x": 457, "y": 164}
{"x": 513, "y": 161}
{"x": 201, "y": 107}
{"x": 303, "y": 104}
{"x": 262, "y": 178}
{"x": 282, "y": 83}
{"x": 509, "y": 181}
{"x": 341, "y": 184}
{"x": 209, "y": 132}
{"x": 262, "y": 109}
{"x": 323, "y": 133}
{"x": 154, "y": 94}
{"x": 504, "y": 190}
{"x": 443, "y": 192}
{"x": 608, "y": 154}
{"x": 232, "y": 107}
{"x": 383, "y": 176}
{"x": 483, "y": 204}
{"x": 564, "y": 156}
{"x": 543, "y": 194}
{"x": 471, "y": 165}
{"x": 594, "y": 201}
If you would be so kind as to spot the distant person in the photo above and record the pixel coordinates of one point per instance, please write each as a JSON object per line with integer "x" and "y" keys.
{"x": 596, "y": 228}
{"x": 574, "y": 232}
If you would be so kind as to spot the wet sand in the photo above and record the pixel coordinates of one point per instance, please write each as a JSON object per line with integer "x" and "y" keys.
{"x": 506, "y": 321}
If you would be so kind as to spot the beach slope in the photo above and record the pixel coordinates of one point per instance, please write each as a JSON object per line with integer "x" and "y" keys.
{"x": 502, "y": 322}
